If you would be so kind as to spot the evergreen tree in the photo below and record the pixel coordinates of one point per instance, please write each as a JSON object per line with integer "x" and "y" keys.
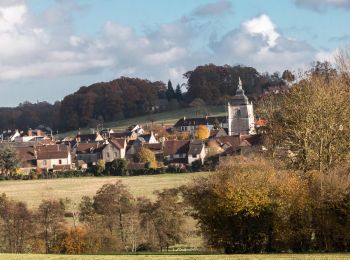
{"x": 170, "y": 93}
{"x": 178, "y": 93}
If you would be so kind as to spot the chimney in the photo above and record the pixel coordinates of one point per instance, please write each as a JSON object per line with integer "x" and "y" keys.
{"x": 184, "y": 118}
{"x": 30, "y": 132}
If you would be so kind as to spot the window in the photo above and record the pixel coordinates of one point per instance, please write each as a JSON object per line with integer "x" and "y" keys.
{"x": 44, "y": 162}
{"x": 107, "y": 154}
{"x": 59, "y": 161}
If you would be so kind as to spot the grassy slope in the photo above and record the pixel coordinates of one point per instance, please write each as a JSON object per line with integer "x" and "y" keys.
{"x": 169, "y": 117}
{"x": 33, "y": 191}
{"x": 175, "y": 257}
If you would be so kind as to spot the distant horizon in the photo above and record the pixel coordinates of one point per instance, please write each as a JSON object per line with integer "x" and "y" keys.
{"x": 51, "y": 48}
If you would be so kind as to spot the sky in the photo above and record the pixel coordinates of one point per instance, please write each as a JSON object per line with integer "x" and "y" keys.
{"x": 50, "y": 48}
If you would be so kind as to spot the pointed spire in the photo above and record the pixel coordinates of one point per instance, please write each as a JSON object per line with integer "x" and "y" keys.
{"x": 239, "y": 83}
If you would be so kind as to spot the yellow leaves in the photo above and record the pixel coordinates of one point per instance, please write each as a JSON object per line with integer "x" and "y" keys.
{"x": 202, "y": 132}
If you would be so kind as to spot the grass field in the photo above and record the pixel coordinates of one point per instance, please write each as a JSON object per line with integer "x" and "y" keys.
{"x": 174, "y": 257}
{"x": 34, "y": 191}
{"x": 169, "y": 117}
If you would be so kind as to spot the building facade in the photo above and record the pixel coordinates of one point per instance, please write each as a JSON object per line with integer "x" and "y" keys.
{"x": 240, "y": 114}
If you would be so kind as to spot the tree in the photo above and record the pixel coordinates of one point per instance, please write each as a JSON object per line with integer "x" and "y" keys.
{"x": 343, "y": 63}
{"x": 100, "y": 167}
{"x": 145, "y": 155}
{"x": 16, "y": 226}
{"x": 234, "y": 206}
{"x": 114, "y": 203}
{"x": 170, "y": 93}
{"x": 74, "y": 241}
{"x": 8, "y": 161}
{"x": 178, "y": 93}
{"x": 311, "y": 122}
{"x": 288, "y": 76}
{"x": 50, "y": 220}
{"x": 117, "y": 167}
{"x": 162, "y": 221}
{"x": 202, "y": 132}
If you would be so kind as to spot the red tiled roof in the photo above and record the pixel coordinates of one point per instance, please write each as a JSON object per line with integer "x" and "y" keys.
{"x": 176, "y": 147}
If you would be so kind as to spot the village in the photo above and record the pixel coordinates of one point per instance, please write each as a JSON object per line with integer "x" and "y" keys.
{"x": 189, "y": 142}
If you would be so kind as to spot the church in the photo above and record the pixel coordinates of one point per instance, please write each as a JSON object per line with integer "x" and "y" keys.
{"x": 240, "y": 114}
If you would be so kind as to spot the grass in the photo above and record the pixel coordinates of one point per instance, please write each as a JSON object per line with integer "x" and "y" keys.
{"x": 34, "y": 191}
{"x": 172, "y": 257}
{"x": 169, "y": 117}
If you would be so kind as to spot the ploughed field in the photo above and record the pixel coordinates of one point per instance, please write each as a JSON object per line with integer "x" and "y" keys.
{"x": 34, "y": 191}
{"x": 174, "y": 257}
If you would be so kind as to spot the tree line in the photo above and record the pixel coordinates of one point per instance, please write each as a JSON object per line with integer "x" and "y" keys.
{"x": 111, "y": 221}
{"x": 130, "y": 97}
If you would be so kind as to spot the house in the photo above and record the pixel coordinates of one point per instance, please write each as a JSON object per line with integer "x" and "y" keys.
{"x": 196, "y": 151}
{"x": 53, "y": 157}
{"x": 86, "y": 138}
{"x": 229, "y": 144}
{"x": 120, "y": 145}
{"x": 191, "y": 124}
{"x": 27, "y": 157}
{"x": 157, "y": 149}
{"x": 136, "y": 129}
{"x": 134, "y": 145}
{"x": 176, "y": 151}
{"x": 90, "y": 153}
{"x": 149, "y": 138}
{"x": 217, "y": 133}
{"x": 9, "y": 135}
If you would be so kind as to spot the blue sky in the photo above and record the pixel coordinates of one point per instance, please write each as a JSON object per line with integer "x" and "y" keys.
{"x": 49, "y": 48}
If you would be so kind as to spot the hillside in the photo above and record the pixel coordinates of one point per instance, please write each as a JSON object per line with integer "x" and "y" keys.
{"x": 169, "y": 117}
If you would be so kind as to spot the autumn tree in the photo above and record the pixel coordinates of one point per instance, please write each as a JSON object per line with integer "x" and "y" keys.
{"x": 145, "y": 155}
{"x": 114, "y": 203}
{"x": 50, "y": 223}
{"x": 162, "y": 221}
{"x": 311, "y": 122}
{"x": 16, "y": 226}
{"x": 202, "y": 132}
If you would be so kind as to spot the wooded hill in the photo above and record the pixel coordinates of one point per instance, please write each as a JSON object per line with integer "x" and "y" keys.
{"x": 130, "y": 97}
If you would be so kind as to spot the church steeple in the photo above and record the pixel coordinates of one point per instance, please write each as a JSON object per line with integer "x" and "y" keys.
{"x": 240, "y": 83}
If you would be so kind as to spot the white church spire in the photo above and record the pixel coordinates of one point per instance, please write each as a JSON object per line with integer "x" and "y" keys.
{"x": 240, "y": 83}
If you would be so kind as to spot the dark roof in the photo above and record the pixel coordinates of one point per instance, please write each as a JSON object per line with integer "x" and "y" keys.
{"x": 52, "y": 155}
{"x": 85, "y": 147}
{"x": 176, "y": 147}
{"x": 118, "y": 142}
{"x": 196, "y": 147}
{"x": 87, "y": 137}
{"x": 121, "y": 134}
{"x": 252, "y": 139}
{"x": 154, "y": 147}
{"x": 82, "y": 148}
{"x": 26, "y": 153}
{"x": 232, "y": 141}
{"x": 211, "y": 120}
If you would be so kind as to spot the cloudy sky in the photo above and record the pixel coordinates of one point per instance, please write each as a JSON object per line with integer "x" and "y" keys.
{"x": 49, "y": 48}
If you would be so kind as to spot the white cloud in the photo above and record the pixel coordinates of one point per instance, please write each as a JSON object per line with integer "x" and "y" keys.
{"x": 262, "y": 25}
{"x": 257, "y": 43}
